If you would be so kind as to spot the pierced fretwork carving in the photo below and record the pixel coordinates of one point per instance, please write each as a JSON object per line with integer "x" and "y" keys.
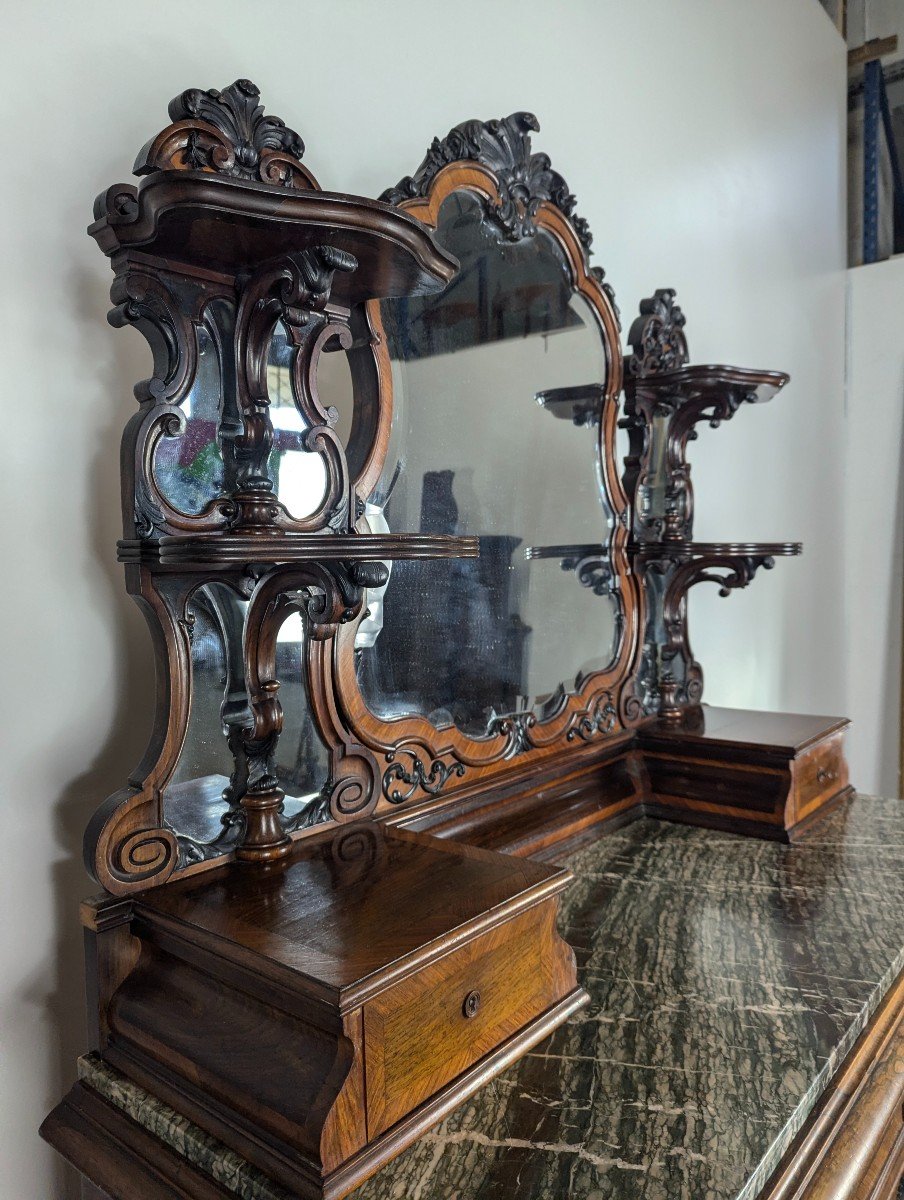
{"x": 406, "y": 767}
{"x": 657, "y": 336}
{"x": 295, "y": 292}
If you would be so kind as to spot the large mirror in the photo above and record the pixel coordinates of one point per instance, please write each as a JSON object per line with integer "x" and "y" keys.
{"x": 488, "y": 438}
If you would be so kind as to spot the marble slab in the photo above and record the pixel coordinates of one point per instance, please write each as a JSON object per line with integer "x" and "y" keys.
{"x": 729, "y": 978}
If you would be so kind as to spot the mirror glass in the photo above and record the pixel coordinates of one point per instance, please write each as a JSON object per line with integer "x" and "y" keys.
{"x": 188, "y": 466}
{"x": 188, "y": 462}
{"x": 473, "y": 451}
{"x": 194, "y": 803}
{"x": 299, "y": 475}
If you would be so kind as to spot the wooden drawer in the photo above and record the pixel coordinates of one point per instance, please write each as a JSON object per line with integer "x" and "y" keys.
{"x": 818, "y": 775}
{"x": 424, "y": 1031}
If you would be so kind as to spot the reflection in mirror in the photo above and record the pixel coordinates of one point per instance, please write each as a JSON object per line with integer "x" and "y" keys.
{"x": 302, "y": 759}
{"x": 473, "y": 451}
{"x": 653, "y": 494}
{"x": 299, "y": 475}
{"x": 194, "y": 803}
{"x": 198, "y": 802}
{"x": 188, "y": 466}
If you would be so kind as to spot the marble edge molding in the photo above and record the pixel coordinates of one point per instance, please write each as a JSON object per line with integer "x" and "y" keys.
{"x": 202, "y": 1150}
{"x": 808, "y": 1101}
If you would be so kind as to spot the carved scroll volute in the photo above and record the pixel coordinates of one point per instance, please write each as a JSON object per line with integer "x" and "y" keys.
{"x": 295, "y": 292}
{"x": 226, "y": 133}
{"x": 148, "y": 301}
{"x": 681, "y": 685}
{"x": 127, "y": 843}
{"x": 327, "y": 597}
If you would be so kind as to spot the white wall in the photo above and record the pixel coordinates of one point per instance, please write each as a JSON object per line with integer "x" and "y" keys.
{"x": 873, "y": 566}
{"x": 705, "y": 144}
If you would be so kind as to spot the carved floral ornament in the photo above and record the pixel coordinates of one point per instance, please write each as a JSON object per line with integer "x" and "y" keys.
{"x": 525, "y": 180}
{"x": 227, "y": 133}
{"x": 657, "y": 336}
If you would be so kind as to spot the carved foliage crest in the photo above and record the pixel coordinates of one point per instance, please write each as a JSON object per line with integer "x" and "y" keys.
{"x": 657, "y": 336}
{"x": 525, "y": 179}
{"x": 227, "y": 132}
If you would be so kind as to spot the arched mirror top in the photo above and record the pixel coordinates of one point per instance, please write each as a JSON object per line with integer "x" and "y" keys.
{"x": 497, "y": 414}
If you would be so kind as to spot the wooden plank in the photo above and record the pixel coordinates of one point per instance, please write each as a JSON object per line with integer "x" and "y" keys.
{"x": 875, "y": 48}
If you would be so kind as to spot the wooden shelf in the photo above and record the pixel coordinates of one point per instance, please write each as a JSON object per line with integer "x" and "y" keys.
{"x": 684, "y": 549}
{"x": 228, "y": 225}
{"x": 226, "y": 549}
{"x": 757, "y": 386}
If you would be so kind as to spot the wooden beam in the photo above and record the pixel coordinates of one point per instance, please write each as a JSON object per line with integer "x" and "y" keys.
{"x": 875, "y": 48}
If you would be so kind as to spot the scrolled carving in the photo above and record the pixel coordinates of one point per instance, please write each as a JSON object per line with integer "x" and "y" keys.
{"x": 593, "y": 571}
{"x": 147, "y": 854}
{"x": 674, "y": 679}
{"x": 295, "y": 291}
{"x": 516, "y": 728}
{"x": 416, "y": 775}
{"x": 600, "y": 719}
{"x": 526, "y": 180}
{"x": 227, "y": 133}
{"x": 657, "y": 336}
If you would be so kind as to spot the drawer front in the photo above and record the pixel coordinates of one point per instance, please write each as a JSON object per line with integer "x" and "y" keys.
{"x": 429, "y": 1028}
{"x": 819, "y": 774}
{"x": 700, "y": 783}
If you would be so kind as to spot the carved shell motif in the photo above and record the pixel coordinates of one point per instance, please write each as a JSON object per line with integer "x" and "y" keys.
{"x": 525, "y": 179}
{"x": 227, "y": 133}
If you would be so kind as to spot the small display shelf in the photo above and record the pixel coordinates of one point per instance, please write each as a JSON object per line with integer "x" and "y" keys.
{"x": 241, "y": 272}
{"x": 665, "y": 400}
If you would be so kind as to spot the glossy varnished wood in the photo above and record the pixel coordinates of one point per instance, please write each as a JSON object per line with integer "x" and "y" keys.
{"x": 287, "y": 1010}
{"x": 852, "y": 1147}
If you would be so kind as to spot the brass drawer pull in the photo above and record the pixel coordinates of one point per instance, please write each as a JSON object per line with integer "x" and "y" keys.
{"x": 824, "y": 775}
{"x": 471, "y": 1005}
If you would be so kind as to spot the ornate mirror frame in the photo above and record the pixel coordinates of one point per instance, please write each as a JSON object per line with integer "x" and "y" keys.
{"x": 521, "y": 194}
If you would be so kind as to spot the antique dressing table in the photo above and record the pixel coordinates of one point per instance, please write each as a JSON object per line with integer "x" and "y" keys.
{"x": 438, "y": 878}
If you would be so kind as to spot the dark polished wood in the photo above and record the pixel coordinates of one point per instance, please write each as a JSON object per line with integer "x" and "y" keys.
{"x": 315, "y": 996}
{"x": 756, "y": 773}
{"x": 852, "y": 1145}
{"x": 317, "y": 1014}
{"x": 665, "y": 401}
{"x": 228, "y": 231}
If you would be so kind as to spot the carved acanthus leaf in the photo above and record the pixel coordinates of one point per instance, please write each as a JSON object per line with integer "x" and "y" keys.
{"x": 657, "y": 336}
{"x": 227, "y": 132}
{"x": 526, "y": 180}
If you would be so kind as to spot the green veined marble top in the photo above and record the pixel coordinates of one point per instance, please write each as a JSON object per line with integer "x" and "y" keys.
{"x": 729, "y": 977}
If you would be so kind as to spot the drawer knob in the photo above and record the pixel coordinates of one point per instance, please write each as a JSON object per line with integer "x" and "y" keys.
{"x": 471, "y": 1005}
{"x": 824, "y": 775}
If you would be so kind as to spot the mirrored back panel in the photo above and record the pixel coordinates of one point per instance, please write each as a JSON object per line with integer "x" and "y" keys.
{"x": 474, "y": 449}
{"x": 498, "y": 403}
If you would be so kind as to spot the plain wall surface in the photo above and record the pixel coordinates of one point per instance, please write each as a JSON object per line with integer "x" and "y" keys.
{"x": 705, "y": 144}
{"x": 874, "y": 522}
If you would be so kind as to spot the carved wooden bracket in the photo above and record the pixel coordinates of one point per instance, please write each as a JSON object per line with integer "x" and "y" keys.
{"x": 673, "y": 678}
